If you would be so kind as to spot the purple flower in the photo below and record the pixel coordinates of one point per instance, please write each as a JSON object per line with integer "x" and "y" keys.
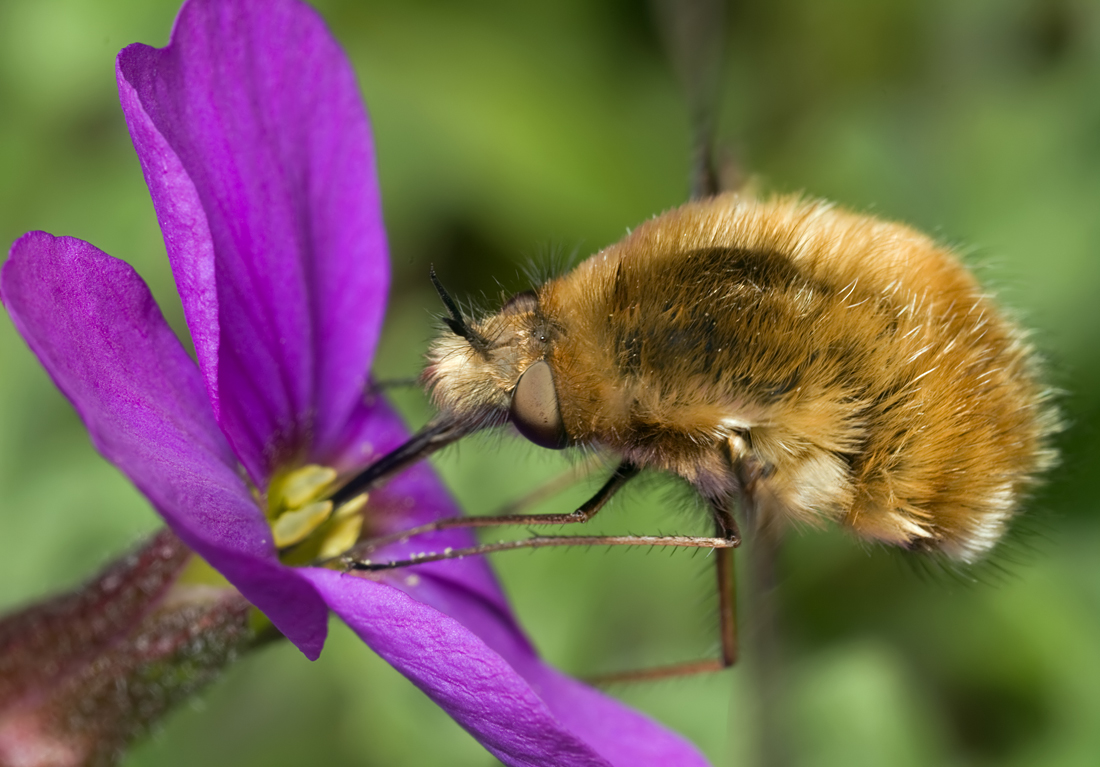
{"x": 257, "y": 152}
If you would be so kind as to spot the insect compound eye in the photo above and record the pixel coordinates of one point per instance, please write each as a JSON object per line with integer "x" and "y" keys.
{"x": 535, "y": 410}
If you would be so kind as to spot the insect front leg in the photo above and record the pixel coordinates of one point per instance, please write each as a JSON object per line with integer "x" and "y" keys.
{"x": 585, "y": 512}
{"x": 589, "y": 509}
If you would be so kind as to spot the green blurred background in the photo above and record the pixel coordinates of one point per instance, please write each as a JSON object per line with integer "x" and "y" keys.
{"x": 517, "y": 133}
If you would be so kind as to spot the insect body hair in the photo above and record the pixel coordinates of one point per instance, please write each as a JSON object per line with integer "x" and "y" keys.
{"x": 835, "y": 366}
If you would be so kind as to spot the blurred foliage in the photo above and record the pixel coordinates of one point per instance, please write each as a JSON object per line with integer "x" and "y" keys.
{"x": 518, "y": 133}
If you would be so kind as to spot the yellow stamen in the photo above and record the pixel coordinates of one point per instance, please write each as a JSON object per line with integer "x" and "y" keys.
{"x": 303, "y": 485}
{"x": 342, "y": 536}
{"x": 294, "y": 526}
{"x": 354, "y": 506}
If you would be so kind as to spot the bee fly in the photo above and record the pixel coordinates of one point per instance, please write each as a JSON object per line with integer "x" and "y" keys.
{"x": 784, "y": 356}
{"x": 807, "y": 364}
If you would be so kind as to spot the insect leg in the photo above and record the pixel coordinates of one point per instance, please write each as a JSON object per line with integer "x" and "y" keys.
{"x": 544, "y": 541}
{"x": 727, "y": 613}
{"x": 693, "y": 33}
{"x": 587, "y": 510}
{"x": 726, "y": 539}
{"x": 727, "y": 584}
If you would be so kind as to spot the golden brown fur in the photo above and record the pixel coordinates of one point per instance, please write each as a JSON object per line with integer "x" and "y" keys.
{"x": 834, "y": 366}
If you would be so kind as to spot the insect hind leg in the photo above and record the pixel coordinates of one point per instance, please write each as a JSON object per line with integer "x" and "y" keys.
{"x": 726, "y": 529}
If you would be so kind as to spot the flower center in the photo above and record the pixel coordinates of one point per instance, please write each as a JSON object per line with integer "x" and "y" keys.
{"x": 303, "y": 522}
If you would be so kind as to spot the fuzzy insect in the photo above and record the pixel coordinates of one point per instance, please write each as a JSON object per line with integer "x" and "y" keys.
{"x": 826, "y": 365}
{"x": 785, "y": 357}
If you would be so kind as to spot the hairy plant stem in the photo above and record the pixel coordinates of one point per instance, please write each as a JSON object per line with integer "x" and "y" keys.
{"x": 85, "y": 673}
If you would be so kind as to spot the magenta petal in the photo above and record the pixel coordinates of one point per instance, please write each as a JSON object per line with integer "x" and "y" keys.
{"x": 96, "y": 329}
{"x": 621, "y": 735}
{"x": 479, "y": 668}
{"x": 256, "y": 148}
{"x": 458, "y": 671}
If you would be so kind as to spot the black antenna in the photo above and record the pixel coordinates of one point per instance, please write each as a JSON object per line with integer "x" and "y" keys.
{"x": 456, "y": 322}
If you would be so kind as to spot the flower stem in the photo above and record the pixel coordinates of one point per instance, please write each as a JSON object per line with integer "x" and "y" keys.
{"x": 85, "y": 673}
